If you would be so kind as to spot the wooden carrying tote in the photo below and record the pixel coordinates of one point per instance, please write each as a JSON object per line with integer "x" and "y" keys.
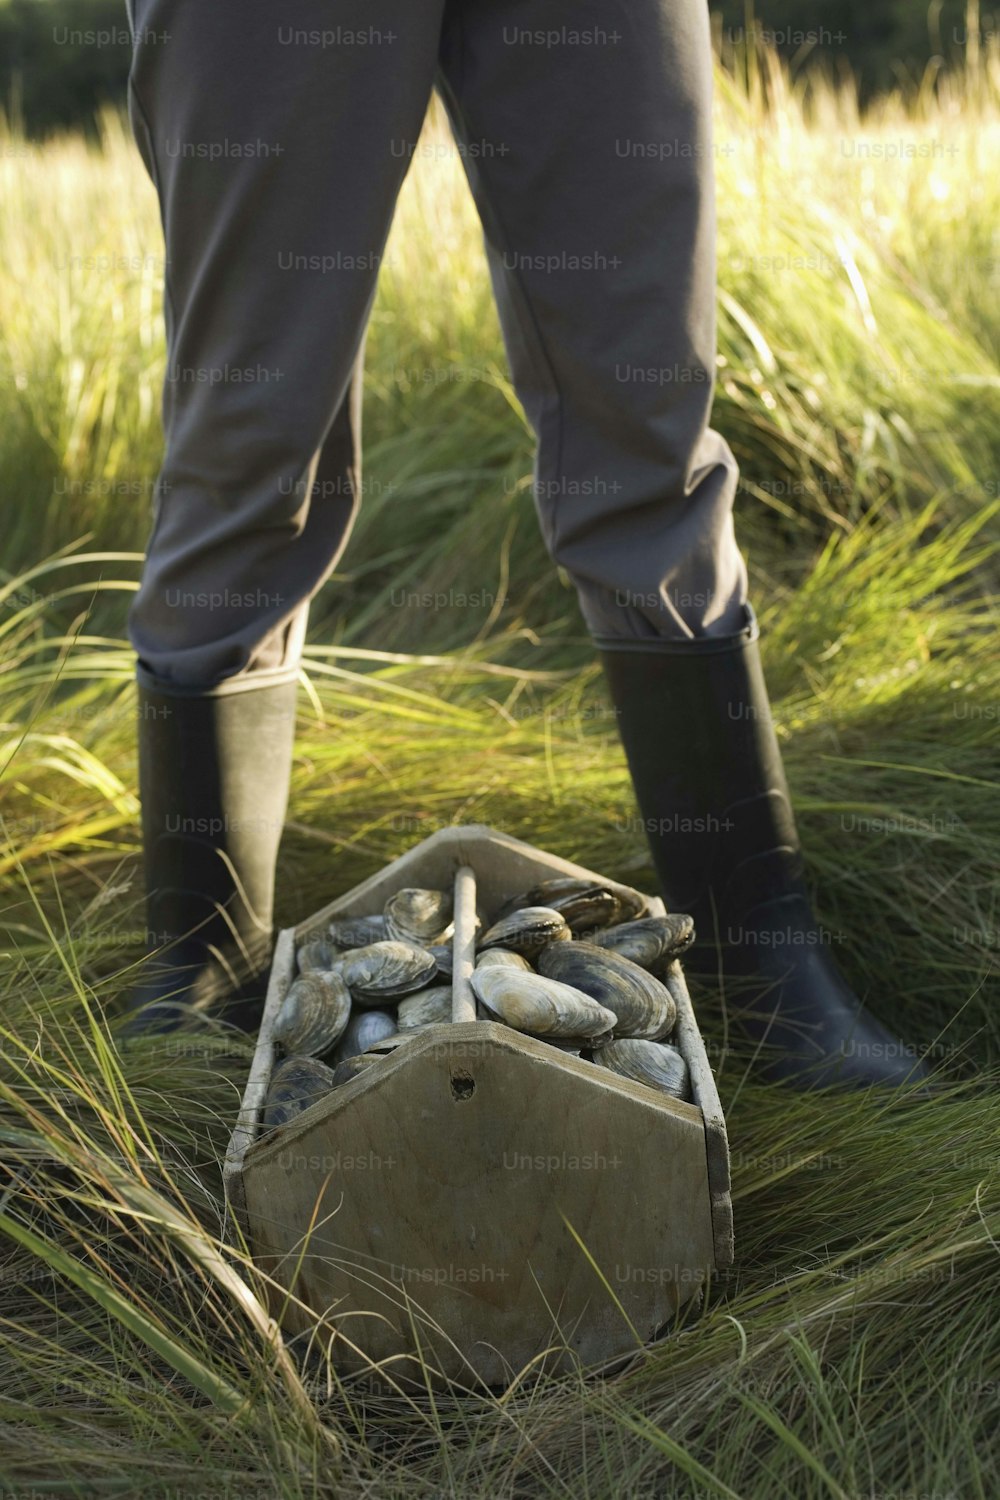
{"x": 476, "y": 1198}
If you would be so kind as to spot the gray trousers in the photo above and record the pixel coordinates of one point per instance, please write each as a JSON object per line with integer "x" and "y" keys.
{"x": 277, "y": 136}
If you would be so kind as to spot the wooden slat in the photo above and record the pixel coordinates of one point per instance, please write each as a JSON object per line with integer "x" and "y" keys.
{"x": 706, "y": 1093}
{"x": 248, "y": 1119}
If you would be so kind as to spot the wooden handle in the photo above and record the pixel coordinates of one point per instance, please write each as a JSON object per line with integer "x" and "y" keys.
{"x": 463, "y": 1001}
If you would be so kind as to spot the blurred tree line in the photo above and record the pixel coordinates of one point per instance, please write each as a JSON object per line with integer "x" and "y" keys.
{"x": 60, "y": 59}
{"x": 880, "y": 40}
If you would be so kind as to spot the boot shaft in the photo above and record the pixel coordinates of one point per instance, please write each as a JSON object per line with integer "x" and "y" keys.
{"x": 213, "y": 782}
{"x": 697, "y": 731}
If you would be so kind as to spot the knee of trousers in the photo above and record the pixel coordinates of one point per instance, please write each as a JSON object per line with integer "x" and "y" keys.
{"x": 238, "y": 550}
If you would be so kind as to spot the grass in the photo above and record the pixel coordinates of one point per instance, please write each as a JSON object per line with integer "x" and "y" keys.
{"x": 853, "y": 1350}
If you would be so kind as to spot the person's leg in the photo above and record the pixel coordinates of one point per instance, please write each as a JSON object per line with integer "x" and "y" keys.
{"x": 277, "y": 139}
{"x": 588, "y": 147}
{"x": 589, "y": 155}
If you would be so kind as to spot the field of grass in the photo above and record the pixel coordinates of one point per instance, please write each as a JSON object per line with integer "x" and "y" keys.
{"x": 855, "y": 1348}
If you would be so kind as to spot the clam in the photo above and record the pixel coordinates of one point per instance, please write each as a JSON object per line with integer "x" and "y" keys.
{"x": 357, "y": 932}
{"x": 540, "y": 1006}
{"x": 382, "y": 971}
{"x": 584, "y": 904}
{"x": 313, "y": 1014}
{"x": 363, "y": 1029}
{"x": 656, "y": 1064}
{"x": 645, "y": 1008}
{"x": 388, "y": 1044}
{"x": 351, "y": 1068}
{"x": 295, "y": 1084}
{"x": 526, "y": 931}
{"x": 418, "y": 916}
{"x": 650, "y": 941}
{"x": 429, "y": 1007}
{"x": 444, "y": 957}
{"x": 316, "y": 954}
{"x": 501, "y": 958}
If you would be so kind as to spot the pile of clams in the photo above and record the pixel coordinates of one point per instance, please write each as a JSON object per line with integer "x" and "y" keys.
{"x": 575, "y": 963}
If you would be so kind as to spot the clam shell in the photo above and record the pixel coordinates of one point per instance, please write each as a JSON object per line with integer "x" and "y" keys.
{"x": 351, "y": 1067}
{"x": 542, "y": 1007}
{"x": 313, "y": 1014}
{"x": 429, "y": 1007}
{"x": 583, "y": 907}
{"x": 357, "y": 932}
{"x": 650, "y": 941}
{"x": 416, "y": 915}
{"x": 316, "y": 954}
{"x": 381, "y": 971}
{"x": 363, "y": 1029}
{"x": 295, "y": 1084}
{"x": 527, "y": 931}
{"x": 388, "y": 1044}
{"x": 656, "y": 1064}
{"x": 585, "y": 904}
{"x": 645, "y": 1008}
{"x": 501, "y": 958}
{"x": 444, "y": 957}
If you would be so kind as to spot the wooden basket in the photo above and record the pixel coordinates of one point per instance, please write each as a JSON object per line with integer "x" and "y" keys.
{"x": 477, "y": 1198}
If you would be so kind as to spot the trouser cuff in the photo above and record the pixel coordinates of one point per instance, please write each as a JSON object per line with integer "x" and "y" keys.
{"x": 685, "y": 646}
{"x": 244, "y": 682}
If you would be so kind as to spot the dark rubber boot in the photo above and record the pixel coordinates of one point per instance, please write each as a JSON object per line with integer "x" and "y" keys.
{"x": 696, "y": 726}
{"x": 213, "y": 782}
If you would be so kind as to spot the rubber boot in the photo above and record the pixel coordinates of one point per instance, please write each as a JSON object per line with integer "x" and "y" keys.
{"x": 213, "y": 782}
{"x": 696, "y": 727}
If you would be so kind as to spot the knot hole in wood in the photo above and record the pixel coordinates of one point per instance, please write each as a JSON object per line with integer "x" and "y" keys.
{"x": 463, "y": 1085}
